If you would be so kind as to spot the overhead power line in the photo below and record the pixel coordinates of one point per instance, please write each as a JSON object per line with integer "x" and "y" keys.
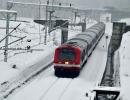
{"x": 10, "y": 32}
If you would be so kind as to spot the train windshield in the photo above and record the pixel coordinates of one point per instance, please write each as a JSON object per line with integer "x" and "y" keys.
{"x": 67, "y": 54}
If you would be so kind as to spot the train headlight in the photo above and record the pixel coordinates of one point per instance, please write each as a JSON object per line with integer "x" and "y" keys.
{"x": 67, "y": 62}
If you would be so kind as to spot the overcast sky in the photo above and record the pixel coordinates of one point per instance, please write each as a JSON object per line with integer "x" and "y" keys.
{"x": 84, "y": 4}
{"x": 101, "y": 3}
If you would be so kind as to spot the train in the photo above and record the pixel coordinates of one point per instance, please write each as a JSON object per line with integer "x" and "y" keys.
{"x": 70, "y": 57}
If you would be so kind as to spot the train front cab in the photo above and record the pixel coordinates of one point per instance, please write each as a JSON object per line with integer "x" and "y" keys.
{"x": 67, "y": 62}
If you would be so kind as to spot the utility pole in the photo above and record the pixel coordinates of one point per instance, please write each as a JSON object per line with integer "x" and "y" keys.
{"x": 50, "y": 17}
{"x": 106, "y": 40}
{"x": 50, "y": 21}
{"x": 39, "y": 19}
{"x": 6, "y": 40}
{"x": 75, "y": 15}
{"x": 8, "y": 13}
{"x": 7, "y": 32}
{"x": 64, "y": 33}
{"x": 46, "y": 23}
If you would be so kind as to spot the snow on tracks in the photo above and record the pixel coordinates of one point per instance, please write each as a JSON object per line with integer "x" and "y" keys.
{"x": 25, "y": 75}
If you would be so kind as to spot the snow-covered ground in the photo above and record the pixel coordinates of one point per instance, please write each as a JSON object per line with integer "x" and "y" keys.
{"x": 122, "y": 58}
{"x": 125, "y": 66}
{"x": 23, "y": 58}
{"x": 28, "y": 61}
{"x": 48, "y": 87}
{"x": 44, "y": 87}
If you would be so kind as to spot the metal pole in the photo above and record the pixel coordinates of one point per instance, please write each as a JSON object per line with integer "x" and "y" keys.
{"x": 39, "y": 20}
{"x": 64, "y": 34}
{"x": 75, "y": 15}
{"x": 83, "y": 26}
{"x": 50, "y": 20}
{"x": 6, "y": 40}
{"x": 106, "y": 41}
{"x": 50, "y": 12}
{"x": 46, "y": 25}
{"x": 50, "y": 17}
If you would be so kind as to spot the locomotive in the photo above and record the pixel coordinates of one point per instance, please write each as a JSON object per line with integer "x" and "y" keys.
{"x": 70, "y": 56}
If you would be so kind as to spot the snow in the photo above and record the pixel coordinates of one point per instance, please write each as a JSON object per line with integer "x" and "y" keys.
{"x": 48, "y": 87}
{"x": 124, "y": 66}
{"x": 19, "y": 58}
{"x": 27, "y": 62}
{"x": 4, "y": 67}
{"x": 126, "y": 20}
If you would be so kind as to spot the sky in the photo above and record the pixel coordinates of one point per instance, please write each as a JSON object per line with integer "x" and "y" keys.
{"x": 101, "y": 3}
{"x": 84, "y": 4}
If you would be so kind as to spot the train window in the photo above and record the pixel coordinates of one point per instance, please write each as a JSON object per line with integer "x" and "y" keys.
{"x": 90, "y": 45}
{"x": 67, "y": 54}
{"x": 83, "y": 55}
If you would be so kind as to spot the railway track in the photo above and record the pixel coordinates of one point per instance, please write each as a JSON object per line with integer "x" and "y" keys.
{"x": 57, "y": 87}
{"x": 49, "y": 88}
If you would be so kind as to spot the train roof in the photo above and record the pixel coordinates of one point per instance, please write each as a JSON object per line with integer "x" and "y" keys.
{"x": 85, "y": 38}
{"x": 77, "y": 42}
{"x": 97, "y": 27}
